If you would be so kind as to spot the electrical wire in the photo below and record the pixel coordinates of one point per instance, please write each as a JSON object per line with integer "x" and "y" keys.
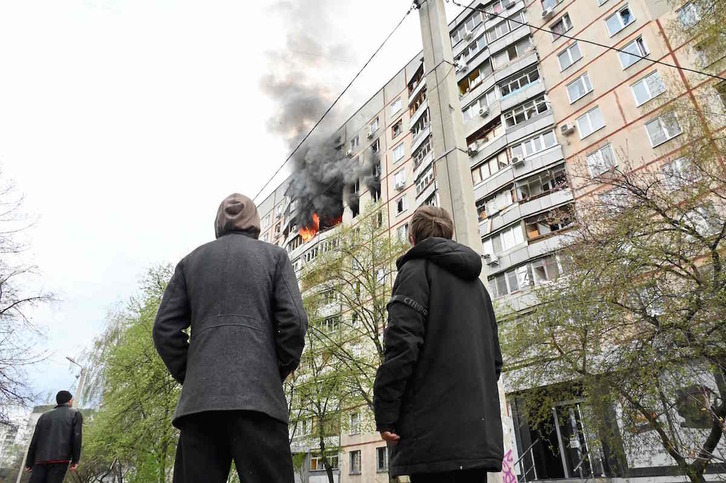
{"x": 335, "y": 102}
{"x": 585, "y": 41}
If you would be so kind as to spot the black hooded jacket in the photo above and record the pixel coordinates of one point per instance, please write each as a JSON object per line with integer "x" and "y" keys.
{"x": 437, "y": 388}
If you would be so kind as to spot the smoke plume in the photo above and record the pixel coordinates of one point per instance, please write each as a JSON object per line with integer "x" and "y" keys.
{"x": 304, "y": 80}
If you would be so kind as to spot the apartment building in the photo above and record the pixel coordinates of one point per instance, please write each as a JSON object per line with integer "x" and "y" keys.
{"x": 537, "y": 106}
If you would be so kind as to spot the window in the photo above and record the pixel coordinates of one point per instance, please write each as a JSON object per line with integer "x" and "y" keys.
{"x": 332, "y": 324}
{"x": 663, "y": 128}
{"x": 504, "y": 27}
{"x": 541, "y": 184}
{"x": 354, "y": 143}
{"x": 316, "y": 462}
{"x": 569, "y": 56}
{"x": 706, "y": 221}
{"x": 549, "y": 223}
{"x": 601, "y": 160}
{"x": 590, "y": 122}
{"x": 504, "y": 240}
{"x": 535, "y": 273}
{"x": 355, "y": 423}
{"x": 561, "y": 26}
{"x": 534, "y": 145}
{"x": 397, "y": 129}
{"x": 477, "y": 46}
{"x": 678, "y": 173}
{"x": 373, "y": 127}
{"x": 402, "y": 232}
{"x": 376, "y": 146}
{"x": 382, "y": 459}
{"x": 473, "y": 110}
{"x": 526, "y": 111}
{"x": 422, "y": 152}
{"x": 579, "y": 88}
{"x": 266, "y": 237}
{"x": 328, "y": 296}
{"x": 266, "y": 222}
{"x": 469, "y": 26}
{"x": 420, "y": 127}
{"x": 520, "y": 81}
{"x": 635, "y": 51}
{"x": 619, "y": 20}
{"x": 647, "y": 88}
{"x": 355, "y": 462}
{"x": 689, "y": 15}
{"x": 549, "y": 4}
{"x": 401, "y": 205}
{"x": 399, "y": 152}
{"x": 400, "y": 179}
{"x": 425, "y": 180}
{"x": 396, "y": 106}
{"x": 503, "y": 57}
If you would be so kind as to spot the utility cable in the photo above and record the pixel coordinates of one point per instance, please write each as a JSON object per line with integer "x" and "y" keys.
{"x": 335, "y": 102}
{"x": 585, "y": 41}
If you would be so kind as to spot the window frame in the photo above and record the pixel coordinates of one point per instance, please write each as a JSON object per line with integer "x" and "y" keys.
{"x": 401, "y": 147}
{"x": 568, "y": 50}
{"x": 638, "y": 41}
{"x": 585, "y": 79}
{"x": 643, "y": 81}
{"x": 662, "y": 125}
{"x": 401, "y": 205}
{"x": 382, "y": 468}
{"x": 557, "y": 36}
{"x": 618, "y": 15}
{"x": 600, "y": 152}
{"x": 398, "y": 105}
{"x": 589, "y": 120}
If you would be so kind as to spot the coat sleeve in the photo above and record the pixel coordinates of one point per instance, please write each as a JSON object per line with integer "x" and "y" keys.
{"x": 495, "y": 336}
{"x": 407, "y": 312}
{"x": 77, "y": 437}
{"x": 174, "y": 316}
{"x": 290, "y": 319}
{"x": 30, "y": 460}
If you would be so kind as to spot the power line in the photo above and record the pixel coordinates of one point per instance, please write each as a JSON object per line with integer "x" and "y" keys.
{"x": 585, "y": 41}
{"x": 335, "y": 102}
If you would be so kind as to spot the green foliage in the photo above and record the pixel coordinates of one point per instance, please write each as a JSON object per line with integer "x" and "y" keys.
{"x": 132, "y": 429}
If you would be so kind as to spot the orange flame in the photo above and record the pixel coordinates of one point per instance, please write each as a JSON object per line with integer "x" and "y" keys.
{"x": 309, "y": 232}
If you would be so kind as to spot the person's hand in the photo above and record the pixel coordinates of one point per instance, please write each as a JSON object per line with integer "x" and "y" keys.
{"x": 74, "y": 466}
{"x": 28, "y": 469}
{"x": 390, "y": 437}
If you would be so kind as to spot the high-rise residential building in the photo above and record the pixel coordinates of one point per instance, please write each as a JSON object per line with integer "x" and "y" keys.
{"x": 538, "y": 104}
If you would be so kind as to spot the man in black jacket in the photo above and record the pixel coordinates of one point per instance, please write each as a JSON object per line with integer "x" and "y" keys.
{"x": 435, "y": 396}
{"x": 241, "y": 299}
{"x": 56, "y": 442}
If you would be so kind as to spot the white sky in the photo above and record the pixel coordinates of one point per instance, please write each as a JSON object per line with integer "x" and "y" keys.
{"x": 125, "y": 123}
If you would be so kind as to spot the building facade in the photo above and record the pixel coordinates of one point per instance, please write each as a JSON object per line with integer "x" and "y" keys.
{"x": 538, "y": 105}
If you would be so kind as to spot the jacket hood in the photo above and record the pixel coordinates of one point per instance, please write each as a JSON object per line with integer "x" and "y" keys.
{"x": 453, "y": 257}
{"x": 237, "y": 213}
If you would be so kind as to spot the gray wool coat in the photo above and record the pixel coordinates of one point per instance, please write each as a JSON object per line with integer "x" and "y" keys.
{"x": 242, "y": 301}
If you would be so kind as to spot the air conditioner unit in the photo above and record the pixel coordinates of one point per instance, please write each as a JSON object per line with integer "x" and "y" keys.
{"x": 370, "y": 135}
{"x": 517, "y": 161}
{"x": 547, "y": 13}
{"x": 400, "y": 185}
{"x": 493, "y": 260}
{"x": 468, "y": 35}
{"x": 567, "y": 129}
{"x": 510, "y": 4}
{"x": 484, "y": 111}
{"x": 349, "y": 153}
{"x": 473, "y": 149}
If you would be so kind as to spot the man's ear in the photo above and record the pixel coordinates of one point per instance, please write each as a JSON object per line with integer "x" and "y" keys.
{"x": 412, "y": 240}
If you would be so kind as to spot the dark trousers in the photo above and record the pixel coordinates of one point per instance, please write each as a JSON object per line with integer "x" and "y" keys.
{"x": 48, "y": 473}
{"x": 463, "y": 476}
{"x": 210, "y": 441}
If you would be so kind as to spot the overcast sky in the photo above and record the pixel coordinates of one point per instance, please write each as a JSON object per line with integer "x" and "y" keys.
{"x": 125, "y": 123}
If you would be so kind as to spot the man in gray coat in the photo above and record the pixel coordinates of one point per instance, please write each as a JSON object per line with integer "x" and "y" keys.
{"x": 241, "y": 299}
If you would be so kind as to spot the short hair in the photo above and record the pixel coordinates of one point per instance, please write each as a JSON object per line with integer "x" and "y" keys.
{"x": 63, "y": 397}
{"x": 430, "y": 221}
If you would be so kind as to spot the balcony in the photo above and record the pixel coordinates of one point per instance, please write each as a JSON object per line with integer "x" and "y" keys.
{"x": 423, "y": 166}
{"x": 504, "y": 13}
{"x": 419, "y": 112}
{"x": 508, "y": 39}
{"x": 545, "y": 202}
{"x": 525, "y": 93}
{"x": 476, "y": 123}
{"x": 523, "y": 253}
{"x": 419, "y": 138}
{"x": 530, "y": 126}
{"x": 536, "y": 162}
{"x": 425, "y": 194}
{"x": 416, "y": 91}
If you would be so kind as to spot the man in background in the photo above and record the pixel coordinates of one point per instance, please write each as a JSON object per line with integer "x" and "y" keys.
{"x": 56, "y": 442}
{"x": 241, "y": 299}
{"x": 435, "y": 395}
